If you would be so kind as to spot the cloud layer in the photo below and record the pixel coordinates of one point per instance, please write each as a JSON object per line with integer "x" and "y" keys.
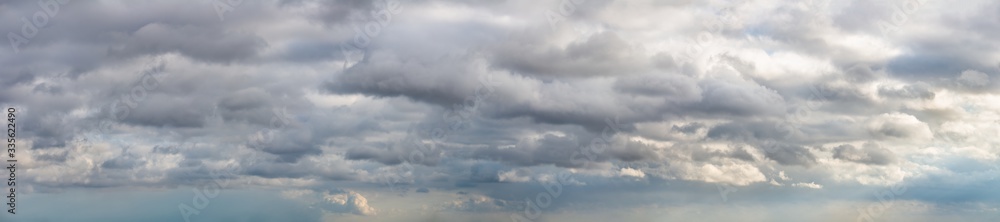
{"x": 488, "y": 110}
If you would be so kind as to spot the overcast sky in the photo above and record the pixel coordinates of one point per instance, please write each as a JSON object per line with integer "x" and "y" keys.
{"x": 504, "y": 110}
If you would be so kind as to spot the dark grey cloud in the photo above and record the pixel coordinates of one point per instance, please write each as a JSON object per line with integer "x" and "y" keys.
{"x": 339, "y": 11}
{"x": 201, "y": 43}
{"x": 870, "y": 153}
{"x": 749, "y": 131}
{"x": 602, "y": 54}
{"x": 688, "y": 128}
{"x": 674, "y": 88}
{"x": 739, "y": 99}
{"x": 444, "y": 81}
{"x": 790, "y": 155}
{"x": 549, "y": 149}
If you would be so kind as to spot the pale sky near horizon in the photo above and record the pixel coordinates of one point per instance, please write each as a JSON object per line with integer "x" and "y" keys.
{"x": 503, "y": 110}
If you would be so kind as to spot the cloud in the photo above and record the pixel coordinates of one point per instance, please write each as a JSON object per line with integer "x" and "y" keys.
{"x": 479, "y": 203}
{"x": 790, "y": 155}
{"x": 898, "y": 126}
{"x": 629, "y": 172}
{"x": 919, "y": 91}
{"x": 489, "y": 104}
{"x": 870, "y": 153}
{"x": 973, "y": 79}
{"x": 808, "y": 185}
{"x": 602, "y": 54}
{"x": 734, "y": 173}
{"x": 512, "y": 176}
{"x": 202, "y": 43}
{"x": 351, "y": 201}
{"x": 336, "y": 202}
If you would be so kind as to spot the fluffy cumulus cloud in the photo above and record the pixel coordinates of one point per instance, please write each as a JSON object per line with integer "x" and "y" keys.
{"x": 446, "y": 110}
{"x": 341, "y": 202}
{"x": 629, "y": 172}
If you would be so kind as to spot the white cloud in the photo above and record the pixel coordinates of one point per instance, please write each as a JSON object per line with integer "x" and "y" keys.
{"x": 630, "y": 172}
{"x": 809, "y": 185}
{"x": 734, "y": 173}
{"x": 352, "y": 201}
{"x": 334, "y": 202}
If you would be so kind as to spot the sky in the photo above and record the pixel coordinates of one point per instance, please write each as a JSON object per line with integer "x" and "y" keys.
{"x": 503, "y": 110}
